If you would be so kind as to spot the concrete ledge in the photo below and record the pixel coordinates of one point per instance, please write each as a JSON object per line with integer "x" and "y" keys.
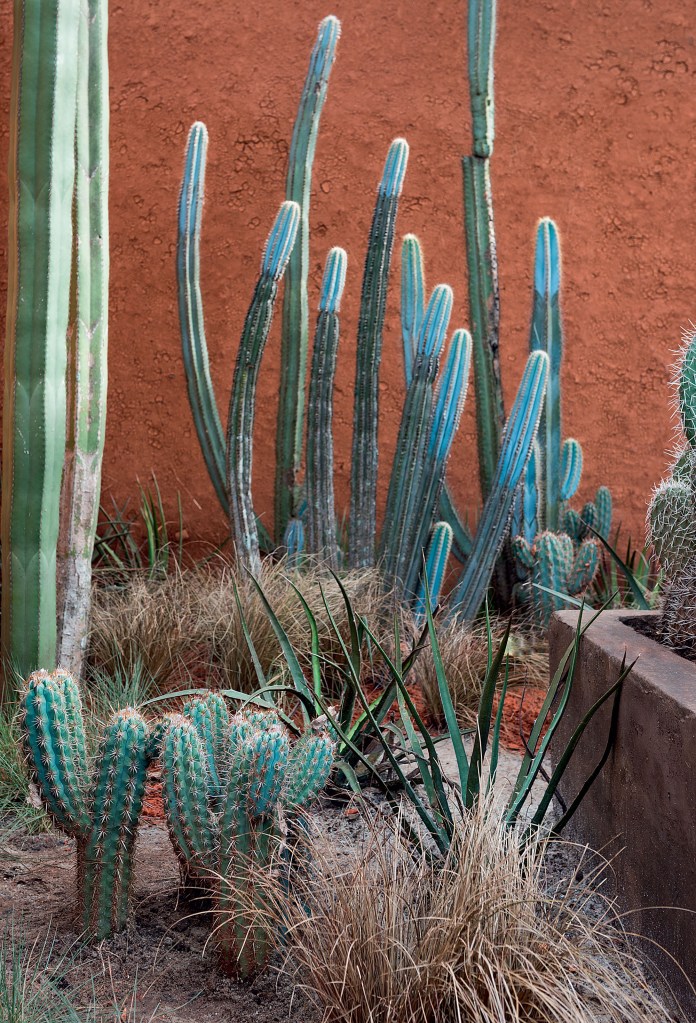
{"x": 644, "y": 801}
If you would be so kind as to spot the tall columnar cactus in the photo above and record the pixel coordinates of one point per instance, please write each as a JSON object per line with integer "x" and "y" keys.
{"x": 99, "y": 804}
{"x": 412, "y": 440}
{"x": 319, "y": 486}
{"x": 556, "y": 569}
{"x": 240, "y": 421}
{"x": 520, "y": 433}
{"x": 412, "y": 292}
{"x": 482, "y": 263}
{"x": 363, "y": 482}
{"x": 293, "y": 356}
{"x": 227, "y": 457}
{"x": 59, "y": 115}
{"x": 672, "y": 518}
{"x": 233, "y": 841}
{"x": 88, "y": 356}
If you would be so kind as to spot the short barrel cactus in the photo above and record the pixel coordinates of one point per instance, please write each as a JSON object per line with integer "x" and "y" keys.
{"x": 232, "y": 785}
{"x": 98, "y": 803}
{"x": 672, "y": 520}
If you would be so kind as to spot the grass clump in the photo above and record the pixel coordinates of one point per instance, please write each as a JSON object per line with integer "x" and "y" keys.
{"x": 189, "y": 624}
{"x": 481, "y": 938}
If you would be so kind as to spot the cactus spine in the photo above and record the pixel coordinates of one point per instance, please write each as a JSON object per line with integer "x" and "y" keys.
{"x": 240, "y": 421}
{"x": 230, "y": 842}
{"x": 672, "y": 518}
{"x": 293, "y": 355}
{"x": 363, "y": 484}
{"x": 319, "y": 486}
{"x": 100, "y": 807}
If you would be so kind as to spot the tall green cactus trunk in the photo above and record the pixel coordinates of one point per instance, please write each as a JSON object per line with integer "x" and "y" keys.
{"x": 42, "y": 174}
{"x": 293, "y": 353}
{"x": 88, "y": 354}
{"x": 363, "y": 480}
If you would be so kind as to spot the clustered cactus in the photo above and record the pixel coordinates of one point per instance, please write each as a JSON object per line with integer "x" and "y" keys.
{"x": 97, "y": 803}
{"x": 418, "y": 500}
{"x": 232, "y": 787}
{"x": 672, "y": 520}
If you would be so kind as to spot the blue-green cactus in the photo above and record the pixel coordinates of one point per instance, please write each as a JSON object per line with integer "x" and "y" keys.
{"x": 295, "y": 332}
{"x": 322, "y": 539}
{"x": 229, "y": 844}
{"x": 99, "y": 805}
{"x": 435, "y": 568}
{"x": 363, "y": 485}
{"x": 556, "y": 571}
{"x": 520, "y": 432}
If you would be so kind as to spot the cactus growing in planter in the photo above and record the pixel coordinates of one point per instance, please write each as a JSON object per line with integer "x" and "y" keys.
{"x": 228, "y": 842}
{"x": 671, "y": 519}
{"x": 100, "y": 804}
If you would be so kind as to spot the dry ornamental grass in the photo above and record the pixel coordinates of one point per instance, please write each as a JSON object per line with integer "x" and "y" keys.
{"x": 480, "y": 939}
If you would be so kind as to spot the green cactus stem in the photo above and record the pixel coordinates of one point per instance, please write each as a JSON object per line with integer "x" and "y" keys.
{"x": 88, "y": 340}
{"x": 240, "y": 423}
{"x": 322, "y": 539}
{"x": 100, "y": 804}
{"x": 201, "y": 394}
{"x": 481, "y": 44}
{"x": 293, "y": 354}
{"x": 363, "y": 494}
{"x": 41, "y": 190}
{"x": 484, "y": 313}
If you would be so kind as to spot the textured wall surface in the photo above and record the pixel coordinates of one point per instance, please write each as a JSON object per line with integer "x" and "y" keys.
{"x": 595, "y": 127}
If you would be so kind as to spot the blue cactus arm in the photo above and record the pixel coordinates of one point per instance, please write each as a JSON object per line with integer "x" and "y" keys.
{"x": 412, "y": 441}
{"x": 364, "y": 461}
{"x": 435, "y": 567}
{"x": 412, "y": 300}
{"x": 240, "y": 422}
{"x": 546, "y": 335}
{"x": 518, "y": 439}
{"x": 450, "y": 396}
{"x": 571, "y": 468}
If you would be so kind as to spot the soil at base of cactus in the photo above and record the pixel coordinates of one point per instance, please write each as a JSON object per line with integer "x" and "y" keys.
{"x": 166, "y": 952}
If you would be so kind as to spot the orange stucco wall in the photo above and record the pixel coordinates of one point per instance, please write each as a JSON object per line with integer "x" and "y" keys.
{"x": 595, "y": 127}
